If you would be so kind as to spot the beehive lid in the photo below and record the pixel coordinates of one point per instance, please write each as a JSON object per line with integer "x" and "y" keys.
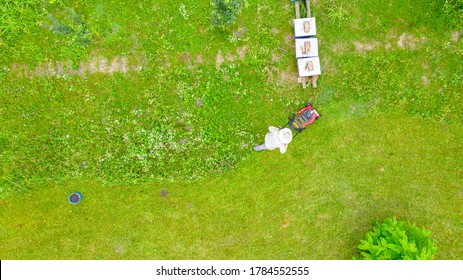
{"x": 304, "y": 27}
{"x": 307, "y": 47}
{"x": 309, "y": 66}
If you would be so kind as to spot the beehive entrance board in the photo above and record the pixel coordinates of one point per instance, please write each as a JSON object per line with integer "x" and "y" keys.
{"x": 307, "y": 47}
{"x": 308, "y": 67}
{"x": 304, "y": 27}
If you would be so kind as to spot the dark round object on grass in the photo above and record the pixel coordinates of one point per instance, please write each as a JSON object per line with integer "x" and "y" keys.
{"x": 75, "y": 198}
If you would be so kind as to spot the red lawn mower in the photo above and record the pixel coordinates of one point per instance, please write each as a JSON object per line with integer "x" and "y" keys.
{"x": 305, "y": 117}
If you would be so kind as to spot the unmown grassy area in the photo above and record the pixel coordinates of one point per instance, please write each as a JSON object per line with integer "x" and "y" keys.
{"x": 127, "y": 101}
{"x": 178, "y": 113}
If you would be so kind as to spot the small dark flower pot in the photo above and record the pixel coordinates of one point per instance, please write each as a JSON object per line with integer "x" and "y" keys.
{"x": 75, "y": 198}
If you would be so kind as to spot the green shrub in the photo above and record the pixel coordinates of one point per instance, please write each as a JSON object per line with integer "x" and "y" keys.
{"x": 397, "y": 240}
{"x": 224, "y": 12}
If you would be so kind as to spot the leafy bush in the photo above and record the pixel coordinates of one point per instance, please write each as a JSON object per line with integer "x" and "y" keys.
{"x": 397, "y": 240}
{"x": 71, "y": 25}
{"x": 224, "y": 12}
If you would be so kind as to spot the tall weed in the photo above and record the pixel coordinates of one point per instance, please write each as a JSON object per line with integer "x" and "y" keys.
{"x": 20, "y": 17}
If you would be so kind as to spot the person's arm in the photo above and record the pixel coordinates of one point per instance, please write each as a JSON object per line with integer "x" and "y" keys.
{"x": 273, "y": 129}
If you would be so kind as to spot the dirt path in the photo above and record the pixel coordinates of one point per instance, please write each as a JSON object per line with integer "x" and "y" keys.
{"x": 117, "y": 64}
{"x": 404, "y": 41}
{"x": 97, "y": 64}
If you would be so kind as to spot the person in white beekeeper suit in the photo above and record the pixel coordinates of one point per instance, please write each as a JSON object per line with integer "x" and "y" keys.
{"x": 276, "y": 138}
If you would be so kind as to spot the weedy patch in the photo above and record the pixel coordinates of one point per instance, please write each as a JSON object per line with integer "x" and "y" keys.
{"x": 335, "y": 13}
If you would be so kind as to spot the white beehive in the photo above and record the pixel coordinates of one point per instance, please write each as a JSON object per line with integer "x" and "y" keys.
{"x": 304, "y": 27}
{"x": 308, "y": 66}
{"x": 307, "y": 47}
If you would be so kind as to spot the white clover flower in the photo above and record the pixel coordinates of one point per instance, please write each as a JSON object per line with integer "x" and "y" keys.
{"x": 183, "y": 11}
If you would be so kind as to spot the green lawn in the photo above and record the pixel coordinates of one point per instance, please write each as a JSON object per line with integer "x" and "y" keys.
{"x": 151, "y": 113}
{"x": 315, "y": 202}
